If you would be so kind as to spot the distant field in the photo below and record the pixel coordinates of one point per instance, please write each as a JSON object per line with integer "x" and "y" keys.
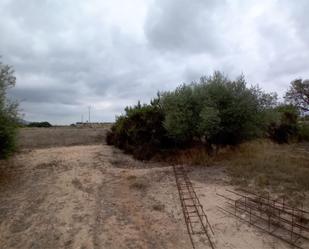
{"x": 29, "y": 138}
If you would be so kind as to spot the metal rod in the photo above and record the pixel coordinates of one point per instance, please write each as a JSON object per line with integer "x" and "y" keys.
{"x": 273, "y": 218}
{"x": 277, "y": 202}
{"x": 183, "y": 210}
{"x": 264, "y": 230}
{"x": 267, "y": 204}
{"x": 190, "y": 200}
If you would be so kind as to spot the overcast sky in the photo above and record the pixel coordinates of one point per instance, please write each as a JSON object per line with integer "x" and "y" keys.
{"x": 69, "y": 54}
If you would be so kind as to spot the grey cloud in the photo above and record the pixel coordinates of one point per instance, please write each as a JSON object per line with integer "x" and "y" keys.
{"x": 298, "y": 13}
{"x": 45, "y": 95}
{"x": 69, "y": 54}
{"x": 186, "y": 26}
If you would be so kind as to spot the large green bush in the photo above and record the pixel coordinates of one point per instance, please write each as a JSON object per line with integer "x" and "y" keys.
{"x": 214, "y": 111}
{"x": 8, "y": 112}
{"x": 139, "y": 131}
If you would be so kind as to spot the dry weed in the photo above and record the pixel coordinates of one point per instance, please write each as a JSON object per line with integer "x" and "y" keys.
{"x": 266, "y": 164}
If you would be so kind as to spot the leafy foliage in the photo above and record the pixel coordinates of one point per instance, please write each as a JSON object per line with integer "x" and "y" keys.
{"x": 181, "y": 113}
{"x": 298, "y": 94}
{"x": 303, "y": 131}
{"x": 8, "y": 112}
{"x": 216, "y": 110}
{"x": 285, "y": 126}
{"x": 139, "y": 131}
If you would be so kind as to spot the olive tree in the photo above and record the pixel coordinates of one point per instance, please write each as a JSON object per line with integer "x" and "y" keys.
{"x": 216, "y": 110}
{"x": 298, "y": 94}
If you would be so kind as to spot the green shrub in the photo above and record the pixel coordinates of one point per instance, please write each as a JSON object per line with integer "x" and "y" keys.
{"x": 303, "y": 131}
{"x": 8, "y": 130}
{"x": 284, "y": 128}
{"x": 8, "y": 112}
{"x": 139, "y": 131}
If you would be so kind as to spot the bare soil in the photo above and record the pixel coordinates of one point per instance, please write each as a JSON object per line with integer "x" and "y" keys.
{"x": 73, "y": 197}
{"x": 94, "y": 196}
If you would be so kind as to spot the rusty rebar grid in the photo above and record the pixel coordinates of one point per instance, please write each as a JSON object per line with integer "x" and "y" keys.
{"x": 195, "y": 218}
{"x": 275, "y": 217}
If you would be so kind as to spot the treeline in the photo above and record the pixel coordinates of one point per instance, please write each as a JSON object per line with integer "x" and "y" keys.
{"x": 214, "y": 112}
{"x": 43, "y": 124}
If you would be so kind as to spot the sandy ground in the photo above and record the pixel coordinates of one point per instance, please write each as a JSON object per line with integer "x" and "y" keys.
{"x": 96, "y": 197}
{"x": 229, "y": 232}
{"x": 74, "y": 197}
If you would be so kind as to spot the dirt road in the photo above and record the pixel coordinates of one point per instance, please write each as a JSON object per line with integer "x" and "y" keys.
{"x": 91, "y": 197}
{"x": 81, "y": 197}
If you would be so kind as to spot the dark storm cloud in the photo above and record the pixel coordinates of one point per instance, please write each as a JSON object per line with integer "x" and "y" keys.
{"x": 69, "y": 54}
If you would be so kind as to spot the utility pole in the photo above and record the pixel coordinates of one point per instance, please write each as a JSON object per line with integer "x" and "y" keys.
{"x": 82, "y": 118}
{"x": 89, "y": 107}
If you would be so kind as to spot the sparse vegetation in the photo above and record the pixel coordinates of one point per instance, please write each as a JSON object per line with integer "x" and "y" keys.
{"x": 261, "y": 164}
{"x": 29, "y": 138}
{"x": 139, "y": 184}
{"x": 268, "y": 165}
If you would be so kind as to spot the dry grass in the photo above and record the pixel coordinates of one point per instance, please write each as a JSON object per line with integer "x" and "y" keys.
{"x": 265, "y": 164}
{"x": 29, "y": 138}
{"x": 137, "y": 183}
{"x": 191, "y": 156}
{"x": 260, "y": 164}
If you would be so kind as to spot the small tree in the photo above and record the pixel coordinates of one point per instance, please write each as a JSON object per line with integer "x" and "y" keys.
{"x": 284, "y": 127}
{"x": 181, "y": 113}
{"x": 8, "y": 111}
{"x": 298, "y": 94}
